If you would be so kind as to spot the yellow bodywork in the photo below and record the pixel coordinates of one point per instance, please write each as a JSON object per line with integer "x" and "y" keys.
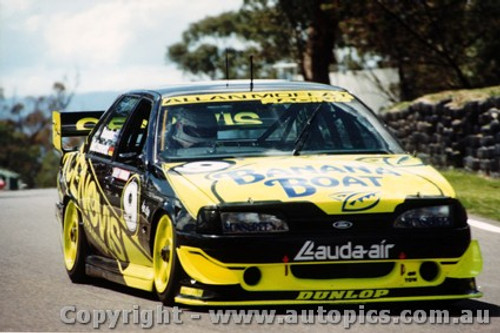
{"x": 207, "y": 270}
{"x": 345, "y": 184}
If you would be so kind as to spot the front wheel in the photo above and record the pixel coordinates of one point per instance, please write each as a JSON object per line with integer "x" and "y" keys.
{"x": 165, "y": 264}
{"x": 75, "y": 246}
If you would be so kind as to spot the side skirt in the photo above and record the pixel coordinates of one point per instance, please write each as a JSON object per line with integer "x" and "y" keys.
{"x": 131, "y": 275}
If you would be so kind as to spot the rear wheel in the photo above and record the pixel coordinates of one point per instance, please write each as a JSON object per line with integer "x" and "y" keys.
{"x": 165, "y": 264}
{"x": 75, "y": 246}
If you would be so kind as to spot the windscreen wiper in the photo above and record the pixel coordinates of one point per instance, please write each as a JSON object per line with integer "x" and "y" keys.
{"x": 304, "y": 134}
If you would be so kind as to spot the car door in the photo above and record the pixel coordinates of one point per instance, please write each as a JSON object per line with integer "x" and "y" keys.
{"x": 124, "y": 183}
{"x": 104, "y": 228}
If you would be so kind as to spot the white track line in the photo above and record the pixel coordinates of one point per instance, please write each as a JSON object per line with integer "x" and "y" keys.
{"x": 484, "y": 226}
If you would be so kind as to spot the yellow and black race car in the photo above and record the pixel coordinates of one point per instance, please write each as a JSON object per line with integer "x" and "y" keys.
{"x": 226, "y": 193}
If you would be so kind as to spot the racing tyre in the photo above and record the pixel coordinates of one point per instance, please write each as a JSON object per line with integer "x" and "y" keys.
{"x": 165, "y": 262}
{"x": 75, "y": 247}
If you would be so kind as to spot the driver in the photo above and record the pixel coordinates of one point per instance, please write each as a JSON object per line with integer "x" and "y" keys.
{"x": 194, "y": 128}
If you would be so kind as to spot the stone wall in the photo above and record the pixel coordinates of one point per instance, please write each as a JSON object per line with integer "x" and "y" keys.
{"x": 446, "y": 135}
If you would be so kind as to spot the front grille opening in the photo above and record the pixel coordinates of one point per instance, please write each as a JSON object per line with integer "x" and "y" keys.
{"x": 342, "y": 271}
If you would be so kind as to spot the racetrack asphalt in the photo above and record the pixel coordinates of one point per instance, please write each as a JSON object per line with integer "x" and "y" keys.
{"x": 35, "y": 290}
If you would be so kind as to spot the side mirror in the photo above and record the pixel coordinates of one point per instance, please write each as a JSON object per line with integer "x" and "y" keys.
{"x": 132, "y": 158}
{"x": 127, "y": 156}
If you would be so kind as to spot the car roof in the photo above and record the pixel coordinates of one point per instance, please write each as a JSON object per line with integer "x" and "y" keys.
{"x": 236, "y": 86}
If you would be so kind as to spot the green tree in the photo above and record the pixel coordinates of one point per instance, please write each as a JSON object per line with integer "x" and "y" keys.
{"x": 315, "y": 30}
{"x": 25, "y": 136}
{"x": 17, "y": 153}
{"x": 434, "y": 44}
{"x": 205, "y": 43}
{"x": 270, "y": 30}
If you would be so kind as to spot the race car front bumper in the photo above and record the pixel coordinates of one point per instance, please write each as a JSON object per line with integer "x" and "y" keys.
{"x": 212, "y": 282}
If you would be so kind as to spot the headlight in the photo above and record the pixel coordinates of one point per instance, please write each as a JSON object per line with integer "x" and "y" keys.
{"x": 248, "y": 222}
{"x": 208, "y": 221}
{"x": 425, "y": 217}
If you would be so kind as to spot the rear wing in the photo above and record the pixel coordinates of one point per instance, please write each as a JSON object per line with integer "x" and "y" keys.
{"x": 71, "y": 124}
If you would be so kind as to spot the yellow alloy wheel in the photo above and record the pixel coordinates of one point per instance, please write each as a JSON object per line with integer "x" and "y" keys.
{"x": 70, "y": 236}
{"x": 163, "y": 252}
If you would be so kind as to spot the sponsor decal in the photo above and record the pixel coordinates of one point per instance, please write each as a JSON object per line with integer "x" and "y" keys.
{"x": 145, "y": 209}
{"x": 357, "y": 201}
{"x": 396, "y": 161}
{"x": 239, "y": 118}
{"x": 108, "y": 134}
{"x": 316, "y": 96}
{"x": 202, "y": 167}
{"x": 342, "y": 294}
{"x": 249, "y": 227}
{"x": 310, "y": 251}
{"x": 121, "y": 174}
{"x": 411, "y": 277}
{"x": 103, "y": 225}
{"x": 86, "y": 124}
{"x": 130, "y": 202}
{"x": 107, "y": 229}
{"x": 305, "y": 180}
{"x": 100, "y": 148}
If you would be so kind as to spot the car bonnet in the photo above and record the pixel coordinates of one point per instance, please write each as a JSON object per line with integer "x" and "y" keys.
{"x": 336, "y": 184}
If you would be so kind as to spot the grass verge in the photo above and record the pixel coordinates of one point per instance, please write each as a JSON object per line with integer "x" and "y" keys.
{"x": 480, "y": 195}
{"x": 456, "y": 98}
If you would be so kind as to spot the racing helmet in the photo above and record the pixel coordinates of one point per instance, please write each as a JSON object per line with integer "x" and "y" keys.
{"x": 195, "y": 127}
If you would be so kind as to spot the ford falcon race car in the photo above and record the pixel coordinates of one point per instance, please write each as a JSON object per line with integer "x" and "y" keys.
{"x": 278, "y": 192}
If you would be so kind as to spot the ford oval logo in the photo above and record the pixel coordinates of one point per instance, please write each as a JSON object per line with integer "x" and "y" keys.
{"x": 342, "y": 225}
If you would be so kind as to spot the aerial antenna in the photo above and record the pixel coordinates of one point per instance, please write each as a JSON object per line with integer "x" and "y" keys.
{"x": 251, "y": 73}
{"x": 227, "y": 68}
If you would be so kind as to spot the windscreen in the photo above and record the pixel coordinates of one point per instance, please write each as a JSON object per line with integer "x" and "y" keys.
{"x": 269, "y": 124}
